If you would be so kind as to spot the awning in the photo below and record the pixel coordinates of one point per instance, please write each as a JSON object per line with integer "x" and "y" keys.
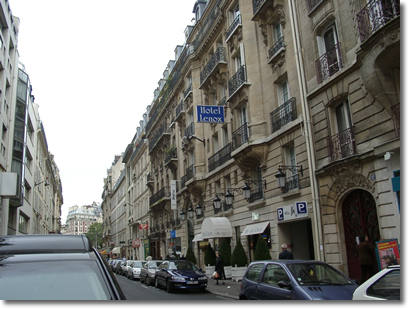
{"x": 116, "y": 250}
{"x": 197, "y": 237}
{"x": 216, "y": 227}
{"x": 255, "y": 229}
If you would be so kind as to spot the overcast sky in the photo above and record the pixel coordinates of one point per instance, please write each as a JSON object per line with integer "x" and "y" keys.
{"x": 94, "y": 65}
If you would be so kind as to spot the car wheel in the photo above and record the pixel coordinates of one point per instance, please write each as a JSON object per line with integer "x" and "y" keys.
{"x": 169, "y": 287}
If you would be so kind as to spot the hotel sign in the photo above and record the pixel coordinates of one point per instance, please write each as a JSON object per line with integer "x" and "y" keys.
{"x": 210, "y": 114}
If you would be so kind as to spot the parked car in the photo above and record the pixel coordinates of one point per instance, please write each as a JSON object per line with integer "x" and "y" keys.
{"x": 124, "y": 267}
{"x": 135, "y": 271}
{"x": 148, "y": 271}
{"x": 295, "y": 279}
{"x": 118, "y": 266}
{"x": 384, "y": 285}
{"x": 180, "y": 274}
{"x": 54, "y": 267}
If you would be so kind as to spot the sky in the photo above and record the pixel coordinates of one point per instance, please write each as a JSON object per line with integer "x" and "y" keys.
{"x": 94, "y": 66}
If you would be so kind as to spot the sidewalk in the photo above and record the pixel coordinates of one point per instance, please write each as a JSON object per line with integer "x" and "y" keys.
{"x": 231, "y": 288}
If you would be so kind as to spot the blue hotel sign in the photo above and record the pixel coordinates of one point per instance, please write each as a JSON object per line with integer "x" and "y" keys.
{"x": 210, "y": 114}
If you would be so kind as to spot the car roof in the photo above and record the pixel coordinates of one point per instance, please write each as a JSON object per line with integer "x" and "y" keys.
{"x": 288, "y": 261}
{"x": 37, "y": 244}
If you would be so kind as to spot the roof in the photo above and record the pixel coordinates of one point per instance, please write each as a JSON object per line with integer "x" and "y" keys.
{"x": 36, "y": 244}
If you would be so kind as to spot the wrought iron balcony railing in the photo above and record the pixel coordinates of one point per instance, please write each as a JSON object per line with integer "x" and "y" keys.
{"x": 163, "y": 193}
{"x": 190, "y": 172}
{"x": 179, "y": 109}
{"x": 284, "y": 114}
{"x": 375, "y": 15}
{"x": 257, "y": 5}
{"x": 329, "y": 63}
{"x": 291, "y": 183}
{"x": 188, "y": 91}
{"x": 222, "y": 101}
{"x": 240, "y": 136}
{"x": 313, "y": 4}
{"x": 190, "y": 130}
{"x": 277, "y": 46}
{"x": 157, "y": 135}
{"x": 342, "y": 145}
{"x": 235, "y": 24}
{"x": 217, "y": 58}
{"x": 237, "y": 80}
{"x": 171, "y": 154}
{"x": 257, "y": 192}
{"x": 220, "y": 157}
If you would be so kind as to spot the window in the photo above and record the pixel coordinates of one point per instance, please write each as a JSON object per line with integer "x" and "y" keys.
{"x": 342, "y": 114}
{"x": 275, "y": 274}
{"x": 329, "y": 61}
{"x": 215, "y": 142}
{"x": 23, "y": 223}
{"x": 254, "y": 272}
{"x": 387, "y": 287}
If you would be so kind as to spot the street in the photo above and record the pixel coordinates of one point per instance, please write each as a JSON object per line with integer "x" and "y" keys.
{"x": 135, "y": 290}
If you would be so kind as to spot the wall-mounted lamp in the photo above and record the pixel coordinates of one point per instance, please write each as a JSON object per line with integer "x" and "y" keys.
{"x": 217, "y": 202}
{"x": 198, "y": 210}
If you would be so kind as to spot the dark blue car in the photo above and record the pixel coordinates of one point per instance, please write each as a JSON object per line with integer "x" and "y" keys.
{"x": 295, "y": 280}
{"x": 180, "y": 274}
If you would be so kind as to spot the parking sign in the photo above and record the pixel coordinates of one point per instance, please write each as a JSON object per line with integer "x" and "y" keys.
{"x": 302, "y": 207}
{"x": 280, "y": 214}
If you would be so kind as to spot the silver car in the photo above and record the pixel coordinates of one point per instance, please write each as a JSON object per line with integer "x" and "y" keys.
{"x": 134, "y": 271}
{"x": 148, "y": 271}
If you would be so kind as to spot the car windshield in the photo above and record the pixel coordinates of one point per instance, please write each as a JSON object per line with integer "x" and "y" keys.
{"x": 182, "y": 265}
{"x": 317, "y": 274}
{"x": 62, "y": 280}
{"x": 137, "y": 264}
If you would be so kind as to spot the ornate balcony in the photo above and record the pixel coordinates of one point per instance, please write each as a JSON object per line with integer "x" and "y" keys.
{"x": 375, "y": 15}
{"x": 233, "y": 27}
{"x": 257, "y": 192}
{"x": 342, "y": 145}
{"x": 219, "y": 158}
{"x": 179, "y": 110}
{"x": 237, "y": 81}
{"x": 291, "y": 183}
{"x": 217, "y": 58}
{"x": 284, "y": 114}
{"x": 329, "y": 63}
{"x": 190, "y": 130}
{"x": 171, "y": 159}
{"x": 313, "y": 4}
{"x": 188, "y": 92}
{"x": 158, "y": 196}
{"x": 240, "y": 136}
{"x": 257, "y": 5}
{"x": 189, "y": 173}
{"x": 276, "y": 49}
{"x": 155, "y": 138}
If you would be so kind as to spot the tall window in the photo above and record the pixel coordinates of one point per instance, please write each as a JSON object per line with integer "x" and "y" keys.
{"x": 329, "y": 61}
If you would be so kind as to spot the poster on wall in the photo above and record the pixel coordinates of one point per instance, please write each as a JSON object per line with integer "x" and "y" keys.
{"x": 387, "y": 253}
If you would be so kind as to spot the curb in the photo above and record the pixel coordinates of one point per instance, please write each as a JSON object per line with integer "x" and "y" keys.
{"x": 223, "y": 294}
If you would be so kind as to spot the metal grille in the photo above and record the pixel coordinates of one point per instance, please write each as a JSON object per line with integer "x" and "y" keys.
{"x": 240, "y": 136}
{"x": 217, "y": 58}
{"x": 284, "y": 114}
{"x": 276, "y": 47}
{"x": 375, "y": 15}
{"x": 237, "y": 80}
{"x": 235, "y": 24}
{"x": 342, "y": 145}
{"x": 329, "y": 63}
{"x": 219, "y": 158}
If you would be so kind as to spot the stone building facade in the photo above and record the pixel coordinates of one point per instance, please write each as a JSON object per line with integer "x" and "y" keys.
{"x": 309, "y": 150}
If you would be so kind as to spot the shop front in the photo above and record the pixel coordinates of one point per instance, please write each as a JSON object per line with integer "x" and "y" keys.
{"x": 252, "y": 232}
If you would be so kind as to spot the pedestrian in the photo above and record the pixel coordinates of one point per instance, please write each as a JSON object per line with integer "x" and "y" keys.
{"x": 366, "y": 259}
{"x": 285, "y": 254}
{"x": 219, "y": 268}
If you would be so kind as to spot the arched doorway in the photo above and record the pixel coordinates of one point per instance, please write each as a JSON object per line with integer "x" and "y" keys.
{"x": 359, "y": 218}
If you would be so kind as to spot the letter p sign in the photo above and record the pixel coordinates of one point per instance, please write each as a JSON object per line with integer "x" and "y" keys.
{"x": 280, "y": 214}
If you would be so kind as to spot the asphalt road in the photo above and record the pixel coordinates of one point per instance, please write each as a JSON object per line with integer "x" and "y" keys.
{"x": 136, "y": 291}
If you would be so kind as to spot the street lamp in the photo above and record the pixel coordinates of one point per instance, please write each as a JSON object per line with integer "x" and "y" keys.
{"x": 229, "y": 198}
{"x": 246, "y": 191}
{"x": 198, "y": 210}
{"x": 217, "y": 203}
{"x": 182, "y": 215}
{"x": 190, "y": 212}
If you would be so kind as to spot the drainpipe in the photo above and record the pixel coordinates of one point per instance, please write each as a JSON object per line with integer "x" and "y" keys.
{"x": 318, "y": 237}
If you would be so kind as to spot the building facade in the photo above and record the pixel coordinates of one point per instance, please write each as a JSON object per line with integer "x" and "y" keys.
{"x": 80, "y": 218}
{"x": 35, "y": 206}
{"x": 308, "y": 153}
